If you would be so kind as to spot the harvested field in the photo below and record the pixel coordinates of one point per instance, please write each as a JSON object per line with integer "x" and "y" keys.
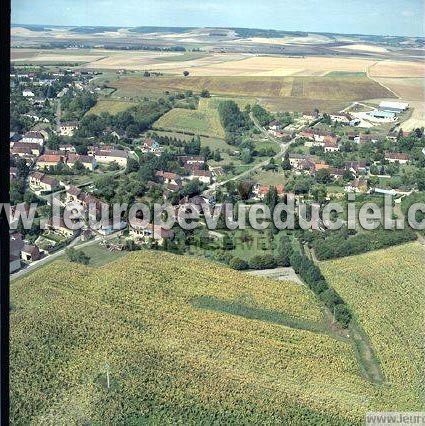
{"x": 397, "y": 69}
{"x": 407, "y": 88}
{"x": 364, "y": 48}
{"x": 338, "y": 90}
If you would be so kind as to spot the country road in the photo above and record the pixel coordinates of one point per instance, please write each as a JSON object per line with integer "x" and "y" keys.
{"x": 283, "y": 148}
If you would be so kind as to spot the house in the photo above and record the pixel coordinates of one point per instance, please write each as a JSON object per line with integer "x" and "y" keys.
{"x": 392, "y": 136}
{"x": 331, "y": 147}
{"x": 28, "y": 93}
{"x": 87, "y": 161}
{"x": 107, "y": 157}
{"x": 30, "y": 253}
{"x": 60, "y": 227}
{"x": 149, "y": 145}
{"x": 204, "y": 176}
{"x": 356, "y": 166}
{"x": 260, "y": 191}
{"x": 396, "y": 157}
{"x": 168, "y": 177}
{"x": 48, "y": 160}
{"x": 24, "y": 152}
{"x": 320, "y": 165}
{"x": 40, "y": 182}
{"x": 296, "y": 159}
{"x": 66, "y": 148}
{"x": 336, "y": 173}
{"x": 72, "y": 195}
{"x": 33, "y": 137}
{"x": 34, "y": 148}
{"x": 275, "y": 125}
{"x": 362, "y": 138}
{"x": 14, "y": 137}
{"x": 68, "y": 128}
{"x": 192, "y": 159}
{"x": 144, "y": 232}
{"x": 318, "y": 136}
{"x": 342, "y": 118}
{"x": 14, "y": 263}
{"x": 357, "y": 185}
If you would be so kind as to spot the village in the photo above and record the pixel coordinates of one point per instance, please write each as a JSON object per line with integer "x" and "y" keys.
{"x": 318, "y": 157}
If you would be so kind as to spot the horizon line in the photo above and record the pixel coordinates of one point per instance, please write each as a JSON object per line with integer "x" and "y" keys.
{"x": 215, "y": 27}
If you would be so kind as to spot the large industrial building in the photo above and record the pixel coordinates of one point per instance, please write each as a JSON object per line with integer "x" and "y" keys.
{"x": 396, "y": 107}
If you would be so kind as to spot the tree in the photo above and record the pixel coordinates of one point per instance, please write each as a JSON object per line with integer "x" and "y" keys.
{"x": 185, "y": 73}
{"x": 323, "y": 176}
{"x": 262, "y": 261}
{"x": 77, "y": 256}
{"x": 283, "y": 250}
{"x": 113, "y": 166}
{"x": 238, "y": 264}
{"x": 319, "y": 193}
{"x": 246, "y": 156}
{"x": 244, "y": 189}
{"x": 286, "y": 164}
{"x": 271, "y": 198}
{"x": 205, "y": 93}
{"x": 132, "y": 165}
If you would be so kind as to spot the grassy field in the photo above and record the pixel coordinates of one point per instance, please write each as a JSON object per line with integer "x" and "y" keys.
{"x": 385, "y": 291}
{"x": 205, "y": 122}
{"x": 270, "y": 177}
{"x": 213, "y": 143}
{"x": 100, "y": 255}
{"x": 110, "y": 106}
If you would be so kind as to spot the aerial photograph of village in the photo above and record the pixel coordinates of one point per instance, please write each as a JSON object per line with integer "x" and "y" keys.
{"x": 217, "y": 212}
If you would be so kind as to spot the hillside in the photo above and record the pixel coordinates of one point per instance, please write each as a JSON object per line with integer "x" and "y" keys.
{"x": 185, "y": 341}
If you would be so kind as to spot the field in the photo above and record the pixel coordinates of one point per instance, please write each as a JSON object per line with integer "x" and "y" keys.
{"x": 205, "y": 122}
{"x": 391, "y": 311}
{"x": 390, "y": 68}
{"x": 281, "y": 93}
{"x": 193, "y": 341}
{"x": 111, "y": 106}
{"x": 212, "y": 143}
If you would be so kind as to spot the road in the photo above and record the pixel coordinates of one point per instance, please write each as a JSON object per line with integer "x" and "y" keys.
{"x": 283, "y": 148}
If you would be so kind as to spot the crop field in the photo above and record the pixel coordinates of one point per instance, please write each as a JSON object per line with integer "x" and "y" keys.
{"x": 278, "y": 93}
{"x": 215, "y": 344}
{"x": 185, "y": 336}
{"x": 205, "y": 122}
{"x": 385, "y": 291}
{"x": 390, "y": 68}
{"x": 111, "y": 106}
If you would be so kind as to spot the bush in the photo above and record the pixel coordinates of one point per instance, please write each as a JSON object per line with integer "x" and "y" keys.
{"x": 77, "y": 256}
{"x": 342, "y": 315}
{"x": 238, "y": 264}
{"x": 263, "y": 261}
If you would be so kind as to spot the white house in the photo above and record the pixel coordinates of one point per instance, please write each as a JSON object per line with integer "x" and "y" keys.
{"x": 33, "y": 137}
{"x": 28, "y": 94}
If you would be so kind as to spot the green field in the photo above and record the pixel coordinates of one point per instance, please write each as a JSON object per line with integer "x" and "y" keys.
{"x": 194, "y": 342}
{"x": 212, "y": 143}
{"x": 111, "y": 106}
{"x": 198, "y": 122}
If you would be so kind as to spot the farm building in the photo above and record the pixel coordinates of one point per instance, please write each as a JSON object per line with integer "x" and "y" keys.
{"x": 396, "y": 107}
{"x": 383, "y": 115}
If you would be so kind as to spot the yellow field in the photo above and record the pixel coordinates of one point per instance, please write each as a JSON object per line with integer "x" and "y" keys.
{"x": 390, "y": 68}
{"x": 385, "y": 291}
